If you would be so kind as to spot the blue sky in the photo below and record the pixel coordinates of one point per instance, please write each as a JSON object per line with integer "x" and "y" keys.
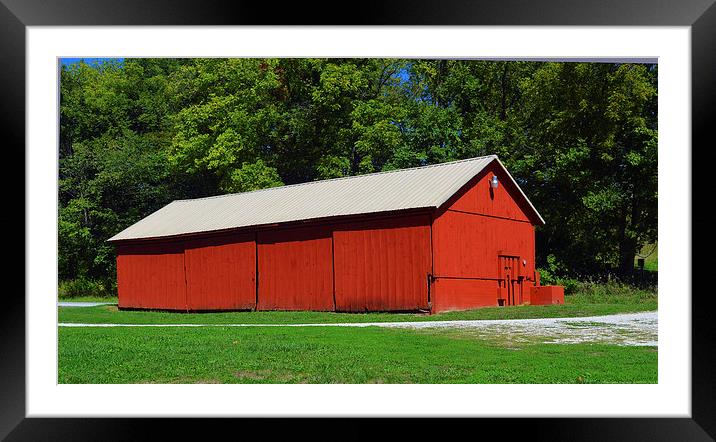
{"x": 88, "y": 60}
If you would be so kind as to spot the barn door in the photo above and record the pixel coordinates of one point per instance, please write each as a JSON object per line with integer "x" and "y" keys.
{"x": 510, "y": 280}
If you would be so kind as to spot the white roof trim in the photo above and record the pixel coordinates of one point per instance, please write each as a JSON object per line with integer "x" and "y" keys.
{"x": 521, "y": 192}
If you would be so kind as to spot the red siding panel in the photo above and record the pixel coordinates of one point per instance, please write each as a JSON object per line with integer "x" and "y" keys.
{"x": 462, "y": 294}
{"x": 382, "y": 264}
{"x": 468, "y": 245}
{"x": 295, "y": 269}
{"x": 151, "y": 276}
{"x": 221, "y": 272}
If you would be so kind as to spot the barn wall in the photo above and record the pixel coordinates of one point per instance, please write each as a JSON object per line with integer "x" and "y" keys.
{"x": 466, "y": 245}
{"x": 221, "y": 272}
{"x": 151, "y": 276}
{"x": 295, "y": 269}
{"x": 463, "y": 294}
{"x": 468, "y": 236}
{"x": 382, "y": 265}
{"x": 502, "y": 202}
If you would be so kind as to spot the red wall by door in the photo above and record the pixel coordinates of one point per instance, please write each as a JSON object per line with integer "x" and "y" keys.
{"x": 468, "y": 245}
{"x": 462, "y": 294}
{"x": 468, "y": 236}
{"x": 221, "y": 272}
{"x": 382, "y": 265}
{"x": 295, "y": 269}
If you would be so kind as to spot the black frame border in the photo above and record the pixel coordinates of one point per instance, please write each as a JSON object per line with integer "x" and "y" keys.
{"x": 700, "y": 15}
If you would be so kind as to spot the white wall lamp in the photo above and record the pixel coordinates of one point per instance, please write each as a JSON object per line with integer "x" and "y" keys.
{"x": 493, "y": 182}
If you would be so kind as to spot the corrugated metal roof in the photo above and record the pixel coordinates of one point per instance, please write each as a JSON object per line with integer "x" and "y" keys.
{"x": 420, "y": 187}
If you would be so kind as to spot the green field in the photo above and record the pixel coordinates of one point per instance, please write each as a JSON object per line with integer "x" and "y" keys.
{"x": 347, "y": 355}
{"x": 111, "y": 315}
{"x": 335, "y": 355}
{"x": 593, "y": 300}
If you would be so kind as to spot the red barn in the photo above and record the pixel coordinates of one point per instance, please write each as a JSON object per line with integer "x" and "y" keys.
{"x": 443, "y": 237}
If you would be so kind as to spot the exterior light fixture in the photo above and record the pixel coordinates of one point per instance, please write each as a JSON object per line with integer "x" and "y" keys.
{"x": 493, "y": 182}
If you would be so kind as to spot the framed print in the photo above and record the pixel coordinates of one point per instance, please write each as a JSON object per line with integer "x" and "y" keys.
{"x": 672, "y": 47}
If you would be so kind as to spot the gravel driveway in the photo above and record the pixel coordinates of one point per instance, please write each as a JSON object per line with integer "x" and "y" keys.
{"x": 621, "y": 329}
{"x": 634, "y": 329}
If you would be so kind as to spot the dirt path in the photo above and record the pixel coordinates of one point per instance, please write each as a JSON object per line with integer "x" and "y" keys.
{"x": 622, "y": 329}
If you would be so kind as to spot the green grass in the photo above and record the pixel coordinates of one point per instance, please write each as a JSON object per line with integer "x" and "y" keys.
{"x": 335, "y": 355}
{"x": 348, "y": 355}
{"x": 110, "y": 314}
{"x": 591, "y": 300}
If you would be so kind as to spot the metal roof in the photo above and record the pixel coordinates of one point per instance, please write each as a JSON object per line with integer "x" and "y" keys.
{"x": 420, "y": 187}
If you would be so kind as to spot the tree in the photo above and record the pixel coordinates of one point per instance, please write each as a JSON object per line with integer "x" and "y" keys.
{"x": 580, "y": 139}
{"x": 112, "y": 160}
{"x": 592, "y": 159}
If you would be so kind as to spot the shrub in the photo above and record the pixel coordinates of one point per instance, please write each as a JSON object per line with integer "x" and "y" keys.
{"x": 85, "y": 287}
{"x": 604, "y": 280}
{"x": 612, "y": 292}
{"x": 571, "y": 285}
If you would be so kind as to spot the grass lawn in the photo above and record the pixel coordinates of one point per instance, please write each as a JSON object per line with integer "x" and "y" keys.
{"x": 111, "y": 315}
{"x": 335, "y": 355}
{"x": 347, "y": 355}
{"x": 590, "y": 302}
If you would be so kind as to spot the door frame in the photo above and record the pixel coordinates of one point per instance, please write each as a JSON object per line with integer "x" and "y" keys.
{"x": 512, "y": 298}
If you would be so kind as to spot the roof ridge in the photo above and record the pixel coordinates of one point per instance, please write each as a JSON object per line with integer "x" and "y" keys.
{"x": 339, "y": 178}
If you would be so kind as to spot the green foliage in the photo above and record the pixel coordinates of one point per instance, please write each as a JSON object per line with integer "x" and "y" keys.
{"x": 594, "y": 172}
{"x": 612, "y": 292}
{"x": 587, "y": 290}
{"x": 580, "y": 138}
{"x": 83, "y": 287}
{"x": 331, "y": 166}
{"x": 252, "y": 176}
{"x": 553, "y": 274}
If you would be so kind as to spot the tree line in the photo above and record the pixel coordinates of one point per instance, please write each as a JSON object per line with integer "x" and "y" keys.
{"x": 580, "y": 138}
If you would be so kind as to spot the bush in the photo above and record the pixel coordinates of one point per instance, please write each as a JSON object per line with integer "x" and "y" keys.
{"x": 600, "y": 290}
{"x": 611, "y": 292}
{"x": 85, "y": 287}
{"x": 604, "y": 280}
{"x": 552, "y": 276}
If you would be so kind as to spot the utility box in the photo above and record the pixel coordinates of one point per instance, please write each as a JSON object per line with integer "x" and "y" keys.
{"x": 547, "y": 295}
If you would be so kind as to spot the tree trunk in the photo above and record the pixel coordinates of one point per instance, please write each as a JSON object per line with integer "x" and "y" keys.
{"x": 627, "y": 251}
{"x": 627, "y": 244}
{"x": 503, "y": 99}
